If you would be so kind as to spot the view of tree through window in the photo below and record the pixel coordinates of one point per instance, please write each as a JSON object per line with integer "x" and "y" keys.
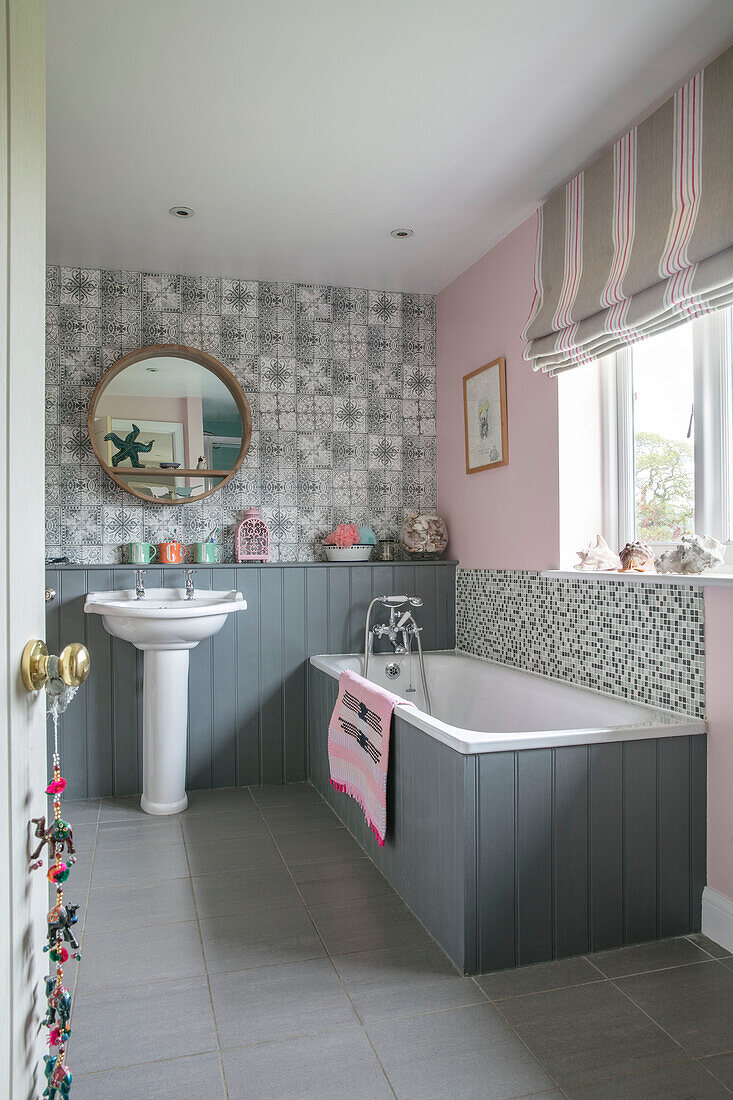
{"x": 664, "y": 436}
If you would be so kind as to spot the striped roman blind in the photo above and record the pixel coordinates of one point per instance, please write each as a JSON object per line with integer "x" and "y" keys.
{"x": 643, "y": 239}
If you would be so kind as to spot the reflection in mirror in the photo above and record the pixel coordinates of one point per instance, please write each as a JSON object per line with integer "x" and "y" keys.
{"x": 170, "y": 427}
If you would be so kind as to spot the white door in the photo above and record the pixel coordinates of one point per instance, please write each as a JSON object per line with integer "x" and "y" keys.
{"x": 22, "y": 721}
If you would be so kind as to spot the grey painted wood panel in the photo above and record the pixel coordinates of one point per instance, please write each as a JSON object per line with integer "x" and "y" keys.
{"x": 640, "y": 812}
{"x": 541, "y": 850}
{"x": 570, "y": 851}
{"x": 606, "y": 848}
{"x": 248, "y": 685}
{"x": 534, "y": 856}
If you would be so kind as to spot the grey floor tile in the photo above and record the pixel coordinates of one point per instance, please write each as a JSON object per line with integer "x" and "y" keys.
{"x": 587, "y": 1032}
{"x": 643, "y": 957}
{"x": 140, "y": 865}
{"x": 149, "y": 955}
{"x": 686, "y": 1081}
{"x": 247, "y": 825}
{"x": 219, "y": 801}
{"x": 334, "y": 1066}
{"x": 260, "y": 939}
{"x": 172, "y": 1017}
{"x": 307, "y": 815}
{"x": 244, "y": 892}
{"x": 119, "y": 908}
{"x": 466, "y": 1052}
{"x": 285, "y": 794}
{"x": 279, "y": 1002}
{"x": 232, "y": 854}
{"x": 709, "y": 945}
{"x": 538, "y": 979}
{"x": 127, "y": 808}
{"x": 722, "y": 1066}
{"x": 317, "y": 846}
{"x": 692, "y": 1003}
{"x": 366, "y": 925}
{"x": 342, "y": 880}
{"x": 402, "y": 981}
{"x": 82, "y": 811}
{"x": 112, "y": 836}
{"x": 199, "y": 1075}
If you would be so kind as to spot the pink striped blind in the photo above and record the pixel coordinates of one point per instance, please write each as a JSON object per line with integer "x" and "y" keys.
{"x": 642, "y": 240}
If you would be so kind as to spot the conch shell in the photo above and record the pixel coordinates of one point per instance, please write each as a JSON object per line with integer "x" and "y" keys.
{"x": 599, "y": 555}
{"x": 692, "y": 554}
{"x": 637, "y": 557}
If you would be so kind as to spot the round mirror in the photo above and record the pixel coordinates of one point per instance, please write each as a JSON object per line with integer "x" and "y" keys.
{"x": 170, "y": 424}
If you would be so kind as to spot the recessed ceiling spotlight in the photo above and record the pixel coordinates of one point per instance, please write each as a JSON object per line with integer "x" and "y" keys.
{"x": 181, "y": 212}
{"x": 400, "y": 233}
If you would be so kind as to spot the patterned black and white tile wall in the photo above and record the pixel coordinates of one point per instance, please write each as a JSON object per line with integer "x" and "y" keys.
{"x": 645, "y": 642}
{"x": 342, "y": 387}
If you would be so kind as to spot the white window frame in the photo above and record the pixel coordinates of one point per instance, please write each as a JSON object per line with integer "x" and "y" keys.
{"x": 712, "y": 342}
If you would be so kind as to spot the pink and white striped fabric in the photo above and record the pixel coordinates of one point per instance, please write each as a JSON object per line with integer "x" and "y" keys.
{"x": 641, "y": 240}
{"x": 358, "y": 746}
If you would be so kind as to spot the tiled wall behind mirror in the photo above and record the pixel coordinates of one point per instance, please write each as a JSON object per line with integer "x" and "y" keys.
{"x": 341, "y": 382}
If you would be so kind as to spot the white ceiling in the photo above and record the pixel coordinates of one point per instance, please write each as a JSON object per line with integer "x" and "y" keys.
{"x": 303, "y": 131}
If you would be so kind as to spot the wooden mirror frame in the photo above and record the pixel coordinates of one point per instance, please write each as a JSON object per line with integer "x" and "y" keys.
{"x": 174, "y": 351}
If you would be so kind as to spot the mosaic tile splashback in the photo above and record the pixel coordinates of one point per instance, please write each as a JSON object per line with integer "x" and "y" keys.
{"x": 342, "y": 387}
{"x": 641, "y": 641}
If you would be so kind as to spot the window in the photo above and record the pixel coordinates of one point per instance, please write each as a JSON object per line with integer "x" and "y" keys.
{"x": 668, "y": 435}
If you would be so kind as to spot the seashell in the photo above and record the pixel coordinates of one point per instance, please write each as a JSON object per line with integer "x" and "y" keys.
{"x": 599, "y": 555}
{"x": 692, "y": 554}
{"x": 637, "y": 557}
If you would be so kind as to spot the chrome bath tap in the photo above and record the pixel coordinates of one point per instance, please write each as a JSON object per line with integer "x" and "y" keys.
{"x": 400, "y": 630}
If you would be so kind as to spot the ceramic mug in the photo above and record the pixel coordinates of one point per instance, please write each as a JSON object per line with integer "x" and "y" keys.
{"x": 206, "y": 552}
{"x": 172, "y": 553}
{"x": 140, "y": 553}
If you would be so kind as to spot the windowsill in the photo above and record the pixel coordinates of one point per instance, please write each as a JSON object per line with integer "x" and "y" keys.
{"x": 697, "y": 580}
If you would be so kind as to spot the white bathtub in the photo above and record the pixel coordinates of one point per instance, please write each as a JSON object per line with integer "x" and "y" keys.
{"x": 480, "y": 706}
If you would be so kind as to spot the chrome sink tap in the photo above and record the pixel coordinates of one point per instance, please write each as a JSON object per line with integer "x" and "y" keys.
{"x": 190, "y": 591}
{"x": 139, "y": 584}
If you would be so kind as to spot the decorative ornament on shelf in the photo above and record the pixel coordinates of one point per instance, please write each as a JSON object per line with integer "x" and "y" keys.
{"x": 202, "y": 464}
{"x": 598, "y": 556}
{"x": 129, "y": 447}
{"x": 424, "y": 535}
{"x": 692, "y": 554}
{"x": 637, "y": 557}
{"x": 253, "y": 538}
{"x": 347, "y": 542}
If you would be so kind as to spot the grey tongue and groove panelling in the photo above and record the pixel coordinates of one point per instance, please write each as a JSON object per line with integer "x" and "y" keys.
{"x": 512, "y": 858}
{"x": 247, "y": 684}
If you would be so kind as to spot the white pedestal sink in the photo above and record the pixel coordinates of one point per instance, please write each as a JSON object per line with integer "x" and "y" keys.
{"x": 165, "y": 625}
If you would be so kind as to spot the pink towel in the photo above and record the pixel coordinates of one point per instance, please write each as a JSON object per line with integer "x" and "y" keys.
{"x": 358, "y": 746}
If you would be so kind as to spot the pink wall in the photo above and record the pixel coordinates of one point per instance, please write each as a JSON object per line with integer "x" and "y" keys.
{"x": 506, "y": 518}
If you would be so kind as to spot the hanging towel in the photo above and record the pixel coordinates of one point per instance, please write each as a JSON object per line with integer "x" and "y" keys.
{"x": 358, "y": 746}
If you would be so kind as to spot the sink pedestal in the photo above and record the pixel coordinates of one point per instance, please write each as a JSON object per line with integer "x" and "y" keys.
{"x": 165, "y": 624}
{"x": 165, "y": 731}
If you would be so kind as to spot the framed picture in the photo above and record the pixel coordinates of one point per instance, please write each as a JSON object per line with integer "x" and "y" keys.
{"x": 484, "y": 406}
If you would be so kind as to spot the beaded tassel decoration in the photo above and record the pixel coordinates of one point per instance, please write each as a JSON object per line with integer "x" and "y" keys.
{"x": 61, "y": 919}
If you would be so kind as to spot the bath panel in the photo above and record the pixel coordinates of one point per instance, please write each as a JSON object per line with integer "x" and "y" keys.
{"x": 517, "y": 857}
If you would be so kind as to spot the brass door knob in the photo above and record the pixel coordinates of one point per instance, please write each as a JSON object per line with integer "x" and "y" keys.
{"x": 73, "y": 665}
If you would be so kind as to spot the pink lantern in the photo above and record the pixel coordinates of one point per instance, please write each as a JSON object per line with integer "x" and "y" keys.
{"x": 253, "y": 537}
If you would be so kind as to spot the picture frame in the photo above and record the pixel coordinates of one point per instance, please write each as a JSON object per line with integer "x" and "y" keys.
{"x": 485, "y": 417}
